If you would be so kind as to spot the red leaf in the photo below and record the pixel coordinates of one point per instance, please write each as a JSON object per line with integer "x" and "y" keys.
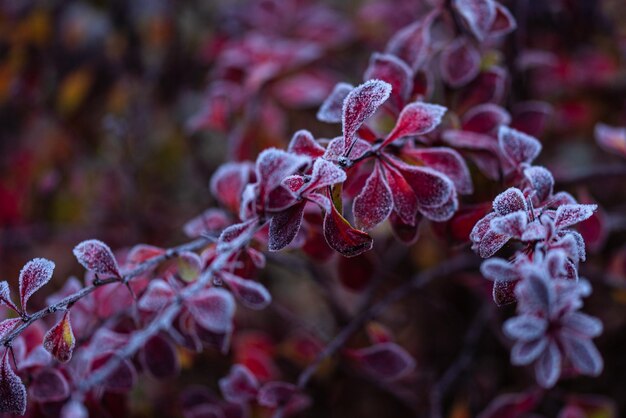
{"x": 375, "y": 202}
{"x": 485, "y": 118}
{"x": 331, "y": 109}
{"x": 252, "y": 294}
{"x": 405, "y": 232}
{"x": 541, "y": 181}
{"x": 531, "y": 117}
{"x": 478, "y": 14}
{"x": 303, "y": 143}
{"x": 122, "y": 379}
{"x": 324, "y": 174}
{"x": 7, "y": 325}
{"x": 341, "y": 237}
{"x": 411, "y": 43}
{"x": 446, "y": 161}
{"x": 459, "y": 63}
{"x": 12, "y": 390}
{"x": 157, "y": 296}
{"x": 49, "y": 385}
{"x": 59, "y": 340}
{"x": 517, "y": 146}
{"x": 5, "y": 296}
{"x": 213, "y": 309}
{"x": 432, "y": 188}
{"x": 96, "y": 256}
{"x": 568, "y": 215}
{"x": 236, "y": 235}
{"x": 209, "y": 222}
{"x": 443, "y": 212}
{"x": 487, "y": 87}
{"x": 240, "y": 385}
{"x": 509, "y": 201}
{"x": 272, "y": 166}
{"x": 284, "y": 226}
{"x": 387, "y": 361}
{"x": 142, "y": 252}
{"x": 416, "y": 119}
{"x": 275, "y": 394}
{"x": 360, "y": 104}
{"x": 404, "y": 199}
{"x": 503, "y": 23}
{"x": 35, "y": 274}
{"x": 160, "y": 357}
{"x": 228, "y": 181}
{"x": 389, "y": 68}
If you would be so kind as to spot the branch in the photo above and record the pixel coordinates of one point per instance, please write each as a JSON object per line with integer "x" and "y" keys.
{"x": 73, "y": 298}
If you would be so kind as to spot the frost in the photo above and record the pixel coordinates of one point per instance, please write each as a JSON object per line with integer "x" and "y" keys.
{"x": 324, "y": 174}
{"x": 12, "y": 390}
{"x": 485, "y": 118}
{"x": 478, "y": 14}
{"x": 59, "y": 340}
{"x": 497, "y": 269}
{"x": 525, "y": 327}
{"x": 432, "y": 188}
{"x": 443, "y": 212}
{"x": 213, "y": 309}
{"x": 509, "y": 201}
{"x": 330, "y": 110}
{"x": 404, "y": 199}
{"x": 240, "y": 385}
{"x": 303, "y": 143}
{"x": 517, "y": 146}
{"x": 273, "y": 165}
{"x": 411, "y": 43}
{"x": 446, "y": 161}
{"x": 236, "y": 235}
{"x": 389, "y": 68}
{"x": 5, "y": 296}
{"x": 490, "y": 243}
{"x": 504, "y": 22}
{"x": 512, "y": 224}
{"x": 142, "y": 252}
{"x": 35, "y": 274}
{"x": 284, "y": 226}
{"x": 459, "y": 63}
{"x": 548, "y": 366}
{"x": 74, "y": 409}
{"x": 568, "y": 215}
{"x": 7, "y": 325}
{"x": 96, "y": 256}
{"x": 375, "y": 202}
{"x": 360, "y": 104}
{"x": 541, "y": 181}
{"x": 157, "y": 296}
{"x": 228, "y": 181}
{"x": 584, "y": 355}
{"x": 386, "y": 361}
{"x": 580, "y": 324}
{"x": 416, "y": 119}
{"x": 250, "y": 293}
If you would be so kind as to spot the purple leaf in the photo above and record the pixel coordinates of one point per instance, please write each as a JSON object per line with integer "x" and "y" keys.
{"x": 490, "y": 243}
{"x": 273, "y": 165}
{"x": 141, "y": 253}
{"x": 580, "y": 324}
{"x": 416, "y": 119}
{"x": 359, "y": 105}
{"x": 209, "y": 222}
{"x": 525, "y": 327}
{"x": 59, "y": 340}
{"x": 404, "y": 199}
{"x": 341, "y": 237}
{"x": 443, "y": 212}
{"x": 478, "y": 14}
{"x": 459, "y": 63}
{"x": 411, "y": 43}
{"x": 5, "y": 296}
{"x": 252, "y": 294}
{"x": 284, "y": 226}
{"x": 96, "y": 256}
{"x": 583, "y": 354}
{"x": 240, "y": 385}
{"x": 513, "y": 224}
{"x": 35, "y": 274}
{"x": 228, "y": 181}
{"x": 122, "y": 379}
{"x": 386, "y": 361}
{"x": 498, "y": 269}
{"x": 324, "y": 174}
{"x": 49, "y": 385}
{"x": 509, "y": 201}
{"x": 541, "y": 181}
{"x": 331, "y": 109}
{"x": 7, "y": 325}
{"x": 275, "y": 394}
{"x": 525, "y": 352}
{"x": 157, "y": 296}
{"x": 517, "y": 146}
{"x": 12, "y": 390}
{"x": 389, "y": 68}
{"x": 236, "y": 235}
{"x": 375, "y": 202}
{"x": 548, "y": 366}
{"x": 503, "y": 23}
{"x": 160, "y": 357}
{"x": 568, "y": 215}
{"x": 431, "y": 188}
{"x": 531, "y": 117}
{"x": 213, "y": 309}
{"x": 446, "y": 161}
{"x": 485, "y": 118}
{"x": 303, "y": 143}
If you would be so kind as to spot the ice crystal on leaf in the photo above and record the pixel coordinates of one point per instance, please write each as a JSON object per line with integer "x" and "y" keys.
{"x": 12, "y": 390}
{"x": 34, "y": 275}
{"x": 96, "y": 256}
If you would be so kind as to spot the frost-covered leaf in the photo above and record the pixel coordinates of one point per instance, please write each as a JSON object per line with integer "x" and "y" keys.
{"x": 331, "y": 109}
{"x": 324, "y": 174}
{"x": 503, "y": 23}
{"x": 490, "y": 243}
{"x": 389, "y": 68}
{"x": 580, "y": 324}
{"x": 59, "y": 340}
{"x": 284, "y": 226}
{"x": 498, "y": 269}
{"x": 12, "y": 390}
{"x": 525, "y": 327}
{"x": 160, "y": 357}
{"x": 156, "y": 297}
{"x": 517, "y": 146}
{"x": 431, "y": 188}
{"x": 303, "y": 143}
{"x": 531, "y": 117}
{"x": 141, "y": 253}
{"x": 275, "y": 394}
{"x": 485, "y": 118}
{"x": 122, "y": 379}
{"x": 548, "y": 366}
{"x": 568, "y": 215}
{"x": 49, "y": 385}
{"x": 612, "y": 139}
{"x": 441, "y": 213}
{"x": 5, "y": 296}
{"x": 509, "y": 201}
{"x": 387, "y": 361}
{"x": 96, "y": 256}
{"x": 240, "y": 385}
{"x": 375, "y": 202}
{"x": 35, "y": 274}
{"x": 411, "y": 43}
{"x": 446, "y": 161}
{"x": 228, "y": 181}
{"x": 211, "y": 221}
{"x": 524, "y": 353}
{"x": 250, "y": 293}
{"x": 273, "y": 165}
{"x": 236, "y": 235}
{"x": 341, "y": 237}
{"x": 359, "y": 105}
{"x": 213, "y": 309}
{"x": 459, "y": 63}
{"x": 512, "y": 224}
{"x": 541, "y": 181}
{"x": 404, "y": 199}
{"x": 583, "y": 354}
{"x": 416, "y": 119}
{"x": 478, "y": 14}
{"x": 8, "y": 325}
